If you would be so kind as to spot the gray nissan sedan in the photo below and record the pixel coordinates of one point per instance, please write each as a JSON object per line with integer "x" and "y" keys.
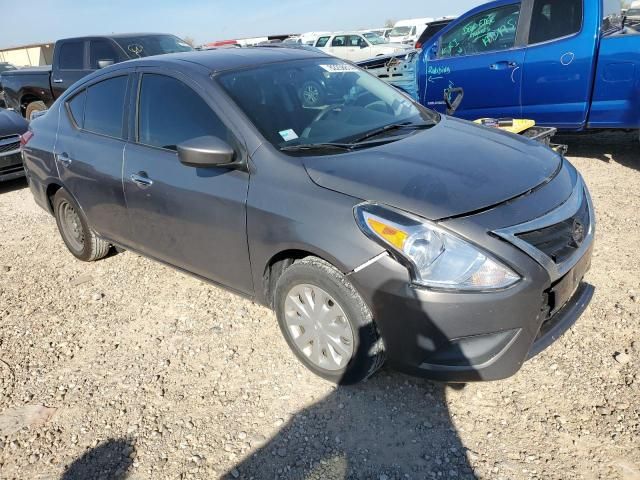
{"x": 375, "y": 228}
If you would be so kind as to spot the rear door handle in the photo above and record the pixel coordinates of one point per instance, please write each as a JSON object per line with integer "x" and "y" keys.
{"x": 64, "y": 159}
{"x": 141, "y": 179}
{"x": 58, "y": 80}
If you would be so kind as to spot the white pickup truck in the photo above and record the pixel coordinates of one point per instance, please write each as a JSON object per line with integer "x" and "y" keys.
{"x": 356, "y": 46}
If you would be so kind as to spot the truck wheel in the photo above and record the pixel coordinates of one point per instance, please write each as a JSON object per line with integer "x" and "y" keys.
{"x": 81, "y": 241}
{"x": 34, "y": 107}
{"x": 326, "y": 323}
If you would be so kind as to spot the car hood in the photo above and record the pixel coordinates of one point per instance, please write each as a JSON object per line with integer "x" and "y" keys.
{"x": 454, "y": 168}
{"x": 11, "y": 123}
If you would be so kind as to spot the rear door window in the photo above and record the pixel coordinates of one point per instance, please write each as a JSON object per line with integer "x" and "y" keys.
{"x": 104, "y": 110}
{"x": 76, "y": 108}
{"x": 489, "y": 31}
{"x": 71, "y": 56}
{"x": 554, "y": 19}
{"x": 165, "y": 121}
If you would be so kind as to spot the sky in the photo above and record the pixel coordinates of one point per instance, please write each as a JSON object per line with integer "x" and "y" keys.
{"x": 203, "y": 20}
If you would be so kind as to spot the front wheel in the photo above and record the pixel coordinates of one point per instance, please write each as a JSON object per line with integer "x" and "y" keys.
{"x": 81, "y": 241}
{"x": 326, "y": 323}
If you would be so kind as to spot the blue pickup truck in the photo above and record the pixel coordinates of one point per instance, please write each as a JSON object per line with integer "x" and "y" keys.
{"x": 569, "y": 64}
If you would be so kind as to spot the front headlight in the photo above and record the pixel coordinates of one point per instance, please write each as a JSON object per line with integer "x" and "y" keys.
{"x": 436, "y": 257}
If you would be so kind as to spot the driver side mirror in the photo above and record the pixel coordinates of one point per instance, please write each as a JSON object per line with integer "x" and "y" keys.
{"x": 105, "y": 63}
{"x": 363, "y": 45}
{"x": 207, "y": 151}
{"x": 433, "y": 51}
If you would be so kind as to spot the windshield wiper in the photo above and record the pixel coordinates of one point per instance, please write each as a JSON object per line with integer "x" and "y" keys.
{"x": 394, "y": 126}
{"x": 317, "y": 146}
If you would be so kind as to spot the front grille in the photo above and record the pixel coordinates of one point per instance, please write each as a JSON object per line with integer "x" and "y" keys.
{"x": 11, "y": 169}
{"x": 8, "y": 163}
{"x": 9, "y": 144}
{"x": 559, "y": 241}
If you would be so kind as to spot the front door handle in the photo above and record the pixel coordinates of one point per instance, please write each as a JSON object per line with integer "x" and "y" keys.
{"x": 57, "y": 80}
{"x": 64, "y": 159}
{"x": 503, "y": 65}
{"x": 141, "y": 179}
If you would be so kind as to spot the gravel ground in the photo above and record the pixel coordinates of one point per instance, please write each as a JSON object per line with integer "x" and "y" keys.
{"x": 125, "y": 368}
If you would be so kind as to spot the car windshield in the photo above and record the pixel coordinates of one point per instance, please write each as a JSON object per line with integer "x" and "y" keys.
{"x": 148, "y": 45}
{"x": 5, "y": 67}
{"x": 633, "y": 12}
{"x": 400, "y": 31}
{"x": 374, "y": 38}
{"x": 320, "y": 101}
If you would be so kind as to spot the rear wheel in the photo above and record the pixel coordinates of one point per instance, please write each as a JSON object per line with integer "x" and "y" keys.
{"x": 34, "y": 107}
{"x": 326, "y": 323}
{"x": 81, "y": 241}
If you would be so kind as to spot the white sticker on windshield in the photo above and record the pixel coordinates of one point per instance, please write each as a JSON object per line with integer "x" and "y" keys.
{"x": 339, "y": 67}
{"x": 288, "y": 135}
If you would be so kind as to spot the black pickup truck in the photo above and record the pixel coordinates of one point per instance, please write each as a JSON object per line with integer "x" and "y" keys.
{"x": 35, "y": 89}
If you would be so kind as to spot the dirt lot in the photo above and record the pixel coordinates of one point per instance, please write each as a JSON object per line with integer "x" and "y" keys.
{"x": 127, "y": 369}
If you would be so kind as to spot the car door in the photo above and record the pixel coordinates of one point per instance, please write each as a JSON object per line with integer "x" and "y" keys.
{"x": 69, "y": 65}
{"x": 341, "y": 48}
{"x": 89, "y": 153}
{"x": 559, "y": 64}
{"x": 481, "y": 54}
{"x": 361, "y": 49}
{"x": 192, "y": 218}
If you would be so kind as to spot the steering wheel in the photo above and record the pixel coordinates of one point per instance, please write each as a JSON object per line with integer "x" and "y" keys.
{"x": 325, "y": 111}
{"x": 379, "y": 106}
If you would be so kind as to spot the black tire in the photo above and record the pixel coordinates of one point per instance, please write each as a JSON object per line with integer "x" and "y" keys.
{"x": 88, "y": 247}
{"x": 34, "y": 107}
{"x": 368, "y": 347}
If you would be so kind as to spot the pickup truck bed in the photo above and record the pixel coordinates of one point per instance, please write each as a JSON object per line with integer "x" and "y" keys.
{"x": 30, "y": 85}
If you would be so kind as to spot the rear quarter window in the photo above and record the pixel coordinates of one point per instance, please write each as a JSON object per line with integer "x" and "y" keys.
{"x": 76, "y": 108}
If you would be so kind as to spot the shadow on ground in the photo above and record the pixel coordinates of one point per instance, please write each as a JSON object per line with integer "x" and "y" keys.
{"x": 391, "y": 426}
{"x": 611, "y": 145}
{"x": 13, "y": 185}
{"x": 108, "y": 461}
{"x": 388, "y": 427}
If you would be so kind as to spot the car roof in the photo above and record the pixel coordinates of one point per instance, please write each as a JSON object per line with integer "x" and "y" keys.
{"x": 229, "y": 58}
{"x": 346, "y": 32}
{"x": 117, "y": 35}
{"x": 413, "y": 21}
